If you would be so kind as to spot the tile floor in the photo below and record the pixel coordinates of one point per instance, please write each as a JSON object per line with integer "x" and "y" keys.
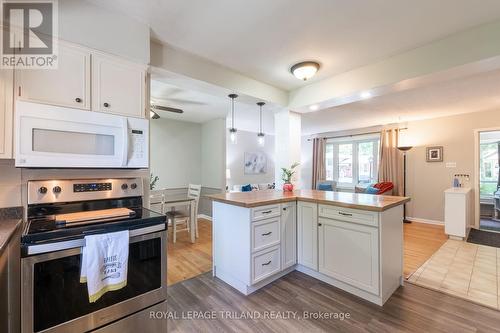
{"x": 465, "y": 270}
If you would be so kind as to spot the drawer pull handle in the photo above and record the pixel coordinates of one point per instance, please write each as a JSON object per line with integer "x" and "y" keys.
{"x": 267, "y": 263}
{"x": 267, "y": 233}
{"x": 345, "y": 214}
{"x": 267, "y": 212}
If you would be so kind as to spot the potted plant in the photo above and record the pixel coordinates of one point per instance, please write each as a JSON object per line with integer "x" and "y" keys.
{"x": 286, "y": 176}
{"x": 152, "y": 181}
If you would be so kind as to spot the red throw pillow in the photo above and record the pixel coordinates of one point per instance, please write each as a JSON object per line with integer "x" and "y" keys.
{"x": 384, "y": 187}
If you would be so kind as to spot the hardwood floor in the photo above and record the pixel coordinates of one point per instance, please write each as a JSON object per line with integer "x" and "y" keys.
{"x": 186, "y": 260}
{"x": 421, "y": 240}
{"x": 410, "y": 309}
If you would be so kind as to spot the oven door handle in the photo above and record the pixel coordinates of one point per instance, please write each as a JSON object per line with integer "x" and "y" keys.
{"x": 75, "y": 243}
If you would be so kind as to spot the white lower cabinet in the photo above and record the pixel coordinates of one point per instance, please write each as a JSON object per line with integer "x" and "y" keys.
{"x": 265, "y": 264}
{"x": 288, "y": 235}
{"x": 307, "y": 237}
{"x": 349, "y": 252}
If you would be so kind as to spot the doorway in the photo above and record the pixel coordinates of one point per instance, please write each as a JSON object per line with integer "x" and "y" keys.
{"x": 487, "y": 180}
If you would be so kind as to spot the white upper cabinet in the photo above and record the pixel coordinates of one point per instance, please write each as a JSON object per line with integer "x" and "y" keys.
{"x": 89, "y": 80}
{"x": 118, "y": 86}
{"x": 6, "y": 115}
{"x": 68, "y": 85}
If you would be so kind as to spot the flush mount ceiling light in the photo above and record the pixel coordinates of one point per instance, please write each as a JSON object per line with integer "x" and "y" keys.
{"x": 232, "y": 130}
{"x": 305, "y": 70}
{"x": 365, "y": 95}
{"x": 314, "y": 107}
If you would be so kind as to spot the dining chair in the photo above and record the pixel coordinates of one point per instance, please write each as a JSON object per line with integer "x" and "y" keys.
{"x": 157, "y": 201}
{"x": 179, "y": 218}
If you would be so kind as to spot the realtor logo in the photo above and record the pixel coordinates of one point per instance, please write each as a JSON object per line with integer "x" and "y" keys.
{"x": 29, "y": 33}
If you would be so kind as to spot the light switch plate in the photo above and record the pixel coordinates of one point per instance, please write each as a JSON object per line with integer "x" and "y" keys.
{"x": 451, "y": 164}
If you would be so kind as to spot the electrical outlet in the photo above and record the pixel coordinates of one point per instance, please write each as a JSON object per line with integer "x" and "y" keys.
{"x": 451, "y": 164}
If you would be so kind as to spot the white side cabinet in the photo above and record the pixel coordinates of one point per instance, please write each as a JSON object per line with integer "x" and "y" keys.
{"x": 118, "y": 86}
{"x": 68, "y": 85}
{"x": 457, "y": 212}
{"x": 288, "y": 234}
{"x": 349, "y": 252}
{"x": 6, "y": 114}
{"x": 307, "y": 237}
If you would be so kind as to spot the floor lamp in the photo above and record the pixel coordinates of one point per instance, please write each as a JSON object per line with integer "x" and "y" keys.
{"x": 404, "y": 149}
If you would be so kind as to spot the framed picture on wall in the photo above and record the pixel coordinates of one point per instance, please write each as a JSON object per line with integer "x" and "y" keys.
{"x": 255, "y": 163}
{"x": 434, "y": 154}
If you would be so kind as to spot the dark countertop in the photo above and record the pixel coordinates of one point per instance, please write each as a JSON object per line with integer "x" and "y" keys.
{"x": 10, "y": 220}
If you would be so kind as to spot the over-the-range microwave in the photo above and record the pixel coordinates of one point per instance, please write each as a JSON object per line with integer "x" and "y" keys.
{"x": 57, "y": 137}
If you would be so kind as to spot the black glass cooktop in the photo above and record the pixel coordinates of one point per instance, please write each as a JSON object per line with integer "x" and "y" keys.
{"x": 42, "y": 227}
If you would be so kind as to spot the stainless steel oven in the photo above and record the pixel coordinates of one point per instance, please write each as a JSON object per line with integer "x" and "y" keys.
{"x": 53, "y": 299}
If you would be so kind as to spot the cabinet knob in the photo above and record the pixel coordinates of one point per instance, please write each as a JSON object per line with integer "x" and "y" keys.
{"x": 284, "y": 208}
{"x": 106, "y": 105}
{"x": 78, "y": 100}
{"x": 319, "y": 224}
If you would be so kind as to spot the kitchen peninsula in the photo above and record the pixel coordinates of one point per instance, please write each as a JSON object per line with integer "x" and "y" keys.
{"x": 349, "y": 240}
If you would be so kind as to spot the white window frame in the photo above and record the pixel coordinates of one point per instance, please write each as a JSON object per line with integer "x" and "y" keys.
{"x": 355, "y": 141}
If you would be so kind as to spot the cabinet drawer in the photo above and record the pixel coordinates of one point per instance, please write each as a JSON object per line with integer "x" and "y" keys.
{"x": 265, "y": 264}
{"x": 265, "y": 233}
{"x": 349, "y": 215}
{"x": 265, "y": 212}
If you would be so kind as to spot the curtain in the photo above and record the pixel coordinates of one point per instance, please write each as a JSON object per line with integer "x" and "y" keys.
{"x": 391, "y": 160}
{"x": 318, "y": 161}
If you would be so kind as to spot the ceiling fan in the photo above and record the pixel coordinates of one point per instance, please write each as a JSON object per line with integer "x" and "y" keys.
{"x": 155, "y": 107}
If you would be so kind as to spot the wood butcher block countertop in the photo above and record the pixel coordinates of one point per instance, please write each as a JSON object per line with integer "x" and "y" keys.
{"x": 376, "y": 203}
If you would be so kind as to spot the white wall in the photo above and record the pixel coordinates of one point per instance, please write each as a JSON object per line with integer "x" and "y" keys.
{"x": 288, "y": 142}
{"x": 175, "y": 153}
{"x": 87, "y": 24}
{"x": 213, "y": 153}
{"x": 235, "y": 159}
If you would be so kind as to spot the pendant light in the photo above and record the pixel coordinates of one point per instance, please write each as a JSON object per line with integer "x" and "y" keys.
{"x": 232, "y": 130}
{"x": 261, "y": 137}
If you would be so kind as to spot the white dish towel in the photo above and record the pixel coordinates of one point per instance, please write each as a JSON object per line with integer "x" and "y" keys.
{"x": 104, "y": 263}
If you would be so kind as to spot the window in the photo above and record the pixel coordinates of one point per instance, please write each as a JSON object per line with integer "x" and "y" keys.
{"x": 350, "y": 161}
{"x": 489, "y": 169}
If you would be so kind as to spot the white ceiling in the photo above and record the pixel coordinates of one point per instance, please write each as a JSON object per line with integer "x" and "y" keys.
{"x": 200, "y": 107}
{"x": 471, "y": 94}
{"x": 263, "y": 38}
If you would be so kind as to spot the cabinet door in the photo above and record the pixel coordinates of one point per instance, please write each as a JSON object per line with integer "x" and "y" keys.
{"x": 68, "y": 85}
{"x": 6, "y": 114}
{"x": 307, "y": 219}
{"x": 118, "y": 86}
{"x": 288, "y": 235}
{"x": 348, "y": 252}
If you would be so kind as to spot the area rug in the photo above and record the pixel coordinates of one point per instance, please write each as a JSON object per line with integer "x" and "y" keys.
{"x": 481, "y": 237}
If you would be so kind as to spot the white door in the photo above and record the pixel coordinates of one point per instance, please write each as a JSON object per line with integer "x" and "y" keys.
{"x": 288, "y": 235}
{"x": 6, "y": 95}
{"x": 307, "y": 219}
{"x": 68, "y": 85}
{"x": 118, "y": 86}
{"x": 349, "y": 252}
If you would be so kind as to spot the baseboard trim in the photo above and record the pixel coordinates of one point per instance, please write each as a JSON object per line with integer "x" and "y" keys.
{"x": 419, "y": 220}
{"x": 206, "y": 217}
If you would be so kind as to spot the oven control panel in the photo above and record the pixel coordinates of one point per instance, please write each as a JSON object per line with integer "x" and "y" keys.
{"x": 92, "y": 187}
{"x": 65, "y": 190}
